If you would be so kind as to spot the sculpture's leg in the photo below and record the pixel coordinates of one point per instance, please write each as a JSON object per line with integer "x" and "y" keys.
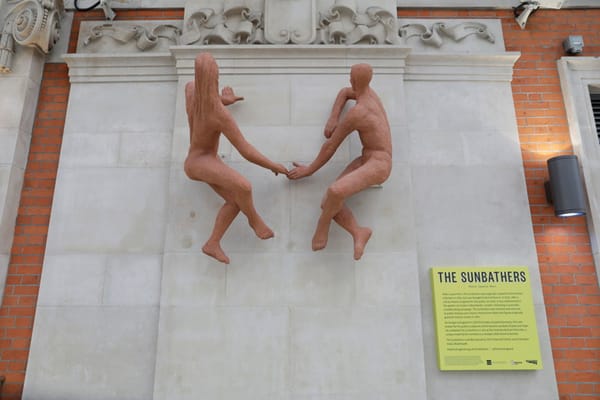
{"x": 230, "y": 185}
{"x": 353, "y": 179}
{"x": 360, "y": 234}
{"x": 243, "y": 198}
{"x": 241, "y": 194}
{"x": 331, "y": 205}
{"x": 319, "y": 240}
{"x": 225, "y": 217}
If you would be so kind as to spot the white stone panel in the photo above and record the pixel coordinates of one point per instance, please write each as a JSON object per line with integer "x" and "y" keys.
{"x": 258, "y": 280}
{"x": 388, "y": 279}
{"x": 313, "y": 97}
{"x": 359, "y": 352}
{"x": 459, "y": 106}
{"x": 18, "y": 145}
{"x": 225, "y": 353}
{"x": 320, "y": 280}
{"x": 132, "y": 280}
{"x": 148, "y": 149}
{"x": 492, "y": 147}
{"x": 266, "y": 99}
{"x": 471, "y": 208}
{"x": 72, "y": 280}
{"x": 15, "y": 108}
{"x": 120, "y": 107}
{"x": 96, "y": 279}
{"x": 192, "y": 279}
{"x": 123, "y": 208}
{"x": 8, "y": 142}
{"x": 11, "y": 182}
{"x": 4, "y": 260}
{"x": 96, "y": 353}
{"x": 90, "y": 150}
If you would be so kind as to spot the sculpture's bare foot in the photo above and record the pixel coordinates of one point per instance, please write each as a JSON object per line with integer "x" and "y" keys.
{"x": 262, "y": 231}
{"x": 319, "y": 241}
{"x": 214, "y": 250}
{"x": 361, "y": 237}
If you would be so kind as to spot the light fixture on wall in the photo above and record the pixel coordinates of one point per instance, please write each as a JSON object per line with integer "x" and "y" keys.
{"x": 573, "y": 44}
{"x": 564, "y": 189}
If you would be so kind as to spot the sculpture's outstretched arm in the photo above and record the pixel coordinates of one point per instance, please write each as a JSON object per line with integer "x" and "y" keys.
{"x": 249, "y": 152}
{"x": 328, "y": 149}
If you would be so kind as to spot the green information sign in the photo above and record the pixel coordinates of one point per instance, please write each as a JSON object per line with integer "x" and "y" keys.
{"x": 485, "y": 319}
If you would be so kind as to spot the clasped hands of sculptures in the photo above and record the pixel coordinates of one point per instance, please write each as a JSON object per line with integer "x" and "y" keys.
{"x": 208, "y": 118}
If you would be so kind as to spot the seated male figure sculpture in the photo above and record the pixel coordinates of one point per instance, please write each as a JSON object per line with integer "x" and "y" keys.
{"x": 208, "y": 118}
{"x": 372, "y": 167}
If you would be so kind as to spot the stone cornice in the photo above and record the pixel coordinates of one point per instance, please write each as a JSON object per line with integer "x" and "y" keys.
{"x": 294, "y": 59}
{"x": 140, "y": 67}
{"x": 582, "y": 63}
{"x": 472, "y": 67}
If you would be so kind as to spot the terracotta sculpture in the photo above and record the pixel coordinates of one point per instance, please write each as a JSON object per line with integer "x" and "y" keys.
{"x": 373, "y": 167}
{"x": 208, "y": 118}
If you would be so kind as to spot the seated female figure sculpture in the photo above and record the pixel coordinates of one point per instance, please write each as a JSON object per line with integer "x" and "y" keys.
{"x": 372, "y": 167}
{"x": 208, "y": 118}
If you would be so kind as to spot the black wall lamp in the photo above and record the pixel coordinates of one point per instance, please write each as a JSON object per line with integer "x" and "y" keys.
{"x": 564, "y": 189}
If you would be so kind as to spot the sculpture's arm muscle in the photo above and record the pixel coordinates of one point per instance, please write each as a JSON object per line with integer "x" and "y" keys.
{"x": 340, "y": 101}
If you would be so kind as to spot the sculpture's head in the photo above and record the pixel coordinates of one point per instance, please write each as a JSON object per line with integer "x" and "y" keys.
{"x": 360, "y": 76}
{"x": 206, "y": 73}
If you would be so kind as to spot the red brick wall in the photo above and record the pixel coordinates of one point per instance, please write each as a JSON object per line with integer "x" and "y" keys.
{"x": 567, "y": 269}
{"x": 569, "y": 279}
{"x": 27, "y": 253}
{"x": 29, "y": 243}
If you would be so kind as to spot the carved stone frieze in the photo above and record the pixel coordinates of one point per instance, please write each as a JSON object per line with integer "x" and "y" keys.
{"x": 144, "y": 37}
{"x": 32, "y": 23}
{"x": 343, "y": 24}
{"x": 231, "y": 22}
{"x": 290, "y": 21}
{"x": 435, "y": 34}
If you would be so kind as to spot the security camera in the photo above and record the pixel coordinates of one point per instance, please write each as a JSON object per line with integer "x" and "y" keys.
{"x": 527, "y": 7}
{"x": 523, "y": 11}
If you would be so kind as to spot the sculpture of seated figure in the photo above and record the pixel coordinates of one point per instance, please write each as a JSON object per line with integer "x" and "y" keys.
{"x": 208, "y": 118}
{"x": 372, "y": 167}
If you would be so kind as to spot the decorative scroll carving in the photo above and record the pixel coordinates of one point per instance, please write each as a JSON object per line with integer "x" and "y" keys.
{"x": 342, "y": 24}
{"x": 144, "y": 39}
{"x": 32, "y": 23}
{"x": 236, "y": 24}
{"x": 434, "y": 36}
